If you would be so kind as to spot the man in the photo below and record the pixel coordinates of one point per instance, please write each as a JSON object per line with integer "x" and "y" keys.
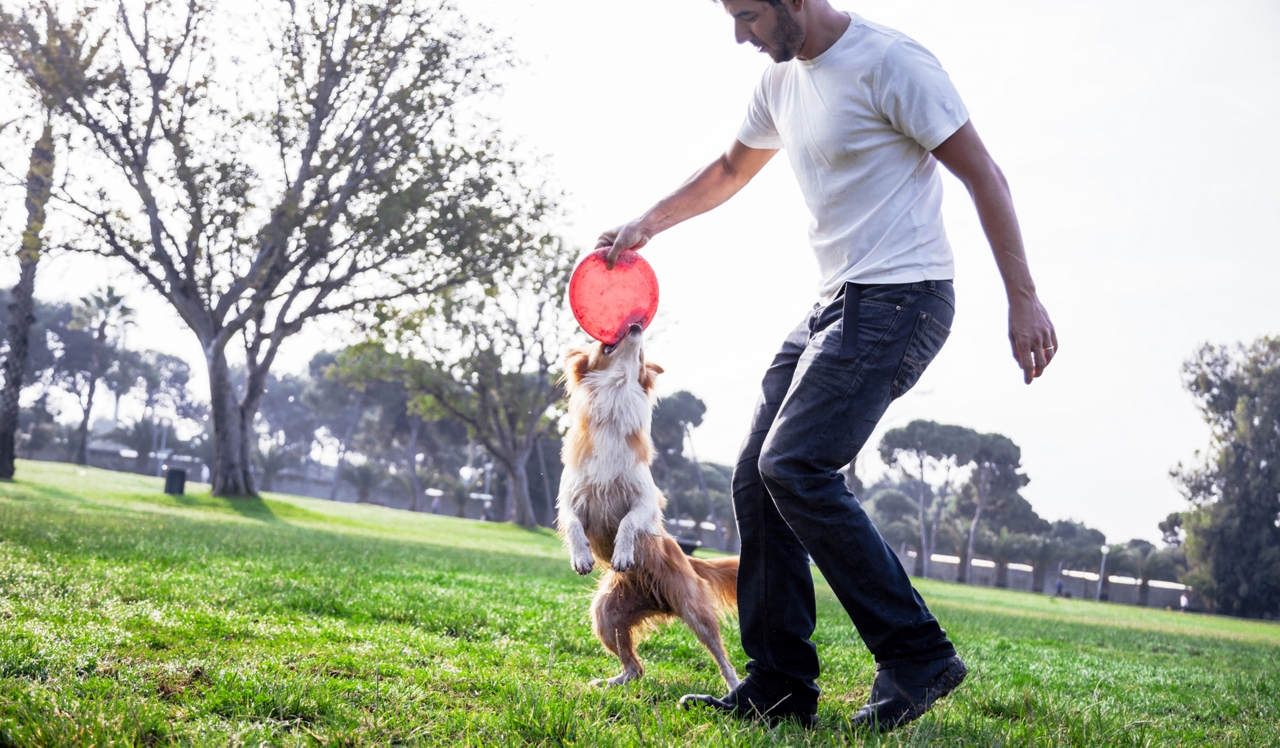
{"x": 864, "y": 114}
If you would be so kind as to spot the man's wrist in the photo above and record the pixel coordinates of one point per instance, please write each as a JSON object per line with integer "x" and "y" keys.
{"x": 650, "y": 225}
{"x": 1021, "y": 293}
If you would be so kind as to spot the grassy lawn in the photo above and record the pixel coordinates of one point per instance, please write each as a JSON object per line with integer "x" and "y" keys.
{"x": 129, "y": 617}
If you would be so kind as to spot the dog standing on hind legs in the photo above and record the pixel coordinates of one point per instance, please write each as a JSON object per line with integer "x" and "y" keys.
{"x": 610, "y": 511}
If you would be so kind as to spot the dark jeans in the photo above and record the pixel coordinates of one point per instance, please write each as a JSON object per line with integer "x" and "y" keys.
{"x": 815, "y": 413}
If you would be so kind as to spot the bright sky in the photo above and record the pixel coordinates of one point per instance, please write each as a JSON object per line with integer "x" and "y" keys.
{"x": 1139, "y": 140}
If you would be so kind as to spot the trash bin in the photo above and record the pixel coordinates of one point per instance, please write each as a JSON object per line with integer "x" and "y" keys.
{"x": 175, "y": 481}
{"x": 688, "y": 545}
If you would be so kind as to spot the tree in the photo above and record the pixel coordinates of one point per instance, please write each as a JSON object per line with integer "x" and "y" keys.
{"x": 163, "y": 383}
{"x": 926, "y": 446}
{"x": 366, "y": 477}
{"x": 1043, "y": 551}
{"x": 338, "y": 177}
{"x": 272, "y": 461}
{"x": 1171, "y": 529}
{"x": 997, "y": 462}
{"x": 486, "y": 359}
{"x": 1145, "y": 562}
{"x": 1081, "y": 544}
{"x": 75, "y": 50}
{"x": 22, "y": 307}
{"x": 100, "y": 314}
{"x": 668, "y": 430}
{"x": 1233, "y": 528}
{"x": 1006, "y": 548}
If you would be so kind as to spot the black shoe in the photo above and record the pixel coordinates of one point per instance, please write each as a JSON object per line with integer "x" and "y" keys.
{"x": 752, "y": 701}
{"x": 903, "y": 693}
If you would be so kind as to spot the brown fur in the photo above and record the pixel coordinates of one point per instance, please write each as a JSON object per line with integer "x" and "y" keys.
{"x": 662, "y": 583}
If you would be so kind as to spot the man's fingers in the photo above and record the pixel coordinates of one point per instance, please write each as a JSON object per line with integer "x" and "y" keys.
{"x": 611, "y": 256}
{"x": 1028, "y": 363}
{"x": 1041, "y": 361}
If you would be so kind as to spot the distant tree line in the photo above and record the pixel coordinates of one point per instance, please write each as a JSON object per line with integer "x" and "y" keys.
{"x": 956, "y": 491}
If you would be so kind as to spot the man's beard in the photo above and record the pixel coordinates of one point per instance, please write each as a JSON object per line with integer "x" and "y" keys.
{"x": 787, "y": 38}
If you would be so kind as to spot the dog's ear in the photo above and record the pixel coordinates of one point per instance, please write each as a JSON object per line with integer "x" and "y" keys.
{"x": 577, "y": 363}
{"x": 649, "y": 376}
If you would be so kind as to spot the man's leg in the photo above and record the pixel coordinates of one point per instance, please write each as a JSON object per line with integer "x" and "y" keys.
{"x": 828, "y": 413}
{"x": 776, "y": 608}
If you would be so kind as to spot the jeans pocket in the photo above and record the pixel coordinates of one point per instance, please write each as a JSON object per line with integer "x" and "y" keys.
{"x": 926, "y": 341}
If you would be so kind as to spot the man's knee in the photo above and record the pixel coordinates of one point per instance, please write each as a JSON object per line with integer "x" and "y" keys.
{"x": 784, "y": 468}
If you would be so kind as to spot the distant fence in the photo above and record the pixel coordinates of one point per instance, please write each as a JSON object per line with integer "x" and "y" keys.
{"x": 1076, "y": 584}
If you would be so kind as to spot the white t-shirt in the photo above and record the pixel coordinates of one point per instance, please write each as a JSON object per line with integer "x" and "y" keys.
{"x": 858, "y": 122}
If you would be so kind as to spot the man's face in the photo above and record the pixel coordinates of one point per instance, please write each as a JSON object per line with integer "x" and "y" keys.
{"x": 772, "y": 29}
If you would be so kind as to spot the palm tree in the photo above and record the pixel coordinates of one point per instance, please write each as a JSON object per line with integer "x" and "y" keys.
{"x": 102, "y": 313}
{"x": 272, "y": 460}
{"x": 39, "y": 183}
{"x": 1007, "y": 548}
{"x": 1043, "y": 551}
{"x": 366, "y": 477}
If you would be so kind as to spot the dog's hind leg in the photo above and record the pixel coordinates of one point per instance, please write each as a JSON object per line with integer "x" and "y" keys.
{"x": 700, "y": 615}
{"x": 617, "y": 615}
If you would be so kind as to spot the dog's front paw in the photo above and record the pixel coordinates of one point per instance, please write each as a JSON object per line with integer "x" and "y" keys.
{"x": 583, "y": 565}
{"x": 622, "y": 561}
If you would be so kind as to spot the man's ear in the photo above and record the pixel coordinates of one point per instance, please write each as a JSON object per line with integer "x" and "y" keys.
{"x": 577, "y": 363}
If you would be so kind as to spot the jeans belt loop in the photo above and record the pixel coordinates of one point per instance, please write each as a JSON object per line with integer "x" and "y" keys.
{"x": 849, "y": 324}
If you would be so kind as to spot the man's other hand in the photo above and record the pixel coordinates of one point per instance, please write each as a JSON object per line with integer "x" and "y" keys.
{"x": 1032, "y": 337}
{"x": 627, "y": 236}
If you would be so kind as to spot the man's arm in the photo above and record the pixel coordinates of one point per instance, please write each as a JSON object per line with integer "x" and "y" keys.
{"x": 1030, "y": 332}
{"x": 711, "y": 186}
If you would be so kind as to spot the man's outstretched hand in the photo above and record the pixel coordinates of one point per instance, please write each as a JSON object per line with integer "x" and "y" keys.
{"x": 1032, "y": 336}
{"x": 627, "y": 236}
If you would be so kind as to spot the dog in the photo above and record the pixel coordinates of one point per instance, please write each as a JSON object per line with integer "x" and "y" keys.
{"x": 610, "y": 511}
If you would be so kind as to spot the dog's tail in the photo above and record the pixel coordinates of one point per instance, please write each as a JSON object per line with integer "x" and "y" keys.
{"x": 722, "y": 575}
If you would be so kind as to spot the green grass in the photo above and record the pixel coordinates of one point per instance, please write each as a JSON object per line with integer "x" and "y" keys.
{"x": 130, "y": 617}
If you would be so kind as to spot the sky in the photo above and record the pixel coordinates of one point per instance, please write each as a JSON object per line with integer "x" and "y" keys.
{"x": 1139, "y": 141}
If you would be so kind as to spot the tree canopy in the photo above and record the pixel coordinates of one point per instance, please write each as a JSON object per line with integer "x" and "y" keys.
{"x": 1233, "y": 527}
{"x": 336, "y": 177}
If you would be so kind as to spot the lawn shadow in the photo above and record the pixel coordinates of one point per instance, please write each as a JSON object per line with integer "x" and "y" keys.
{"x": 39, "y": 489}
{"x": 250, "y": 507}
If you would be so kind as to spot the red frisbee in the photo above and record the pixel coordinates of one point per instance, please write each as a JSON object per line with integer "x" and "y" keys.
{"x": 607, "y": 302}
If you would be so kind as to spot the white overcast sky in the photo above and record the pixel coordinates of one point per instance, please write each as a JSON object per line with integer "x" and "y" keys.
{"x": 1140, "y": 140}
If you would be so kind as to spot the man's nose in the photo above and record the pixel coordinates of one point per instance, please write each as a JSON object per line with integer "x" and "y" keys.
{"x": 740, "y": 31}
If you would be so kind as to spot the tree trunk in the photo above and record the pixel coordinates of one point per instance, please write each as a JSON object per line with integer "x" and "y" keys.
{"x": 923, "y": 559}
{"x": 1038, "y": 573}
{"x": 933, "y": 530}
{"x": 82, "y": 450}
{"x": 973, "y": 533}
{"x": 342, "y": 448}
{"x": 546, "y": 485}
{"x": 518, "y": 490}
{"x": 1002, "y": 574}
{"x": 232, "y": 475}
{"x": 411, "y": 459}
{"x": 22, "y": 308}
{"x": 1144, "y": 593}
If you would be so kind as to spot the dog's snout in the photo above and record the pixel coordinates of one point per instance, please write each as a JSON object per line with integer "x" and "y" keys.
{"x": 635, "y": 329}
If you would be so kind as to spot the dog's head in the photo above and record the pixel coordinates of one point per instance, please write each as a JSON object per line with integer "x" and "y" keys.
{"x": 617, "y": 365}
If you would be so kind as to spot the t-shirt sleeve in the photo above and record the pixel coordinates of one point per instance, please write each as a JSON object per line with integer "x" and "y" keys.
{"x": 916, "y": 95}
{"x": 758, "y": 130}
